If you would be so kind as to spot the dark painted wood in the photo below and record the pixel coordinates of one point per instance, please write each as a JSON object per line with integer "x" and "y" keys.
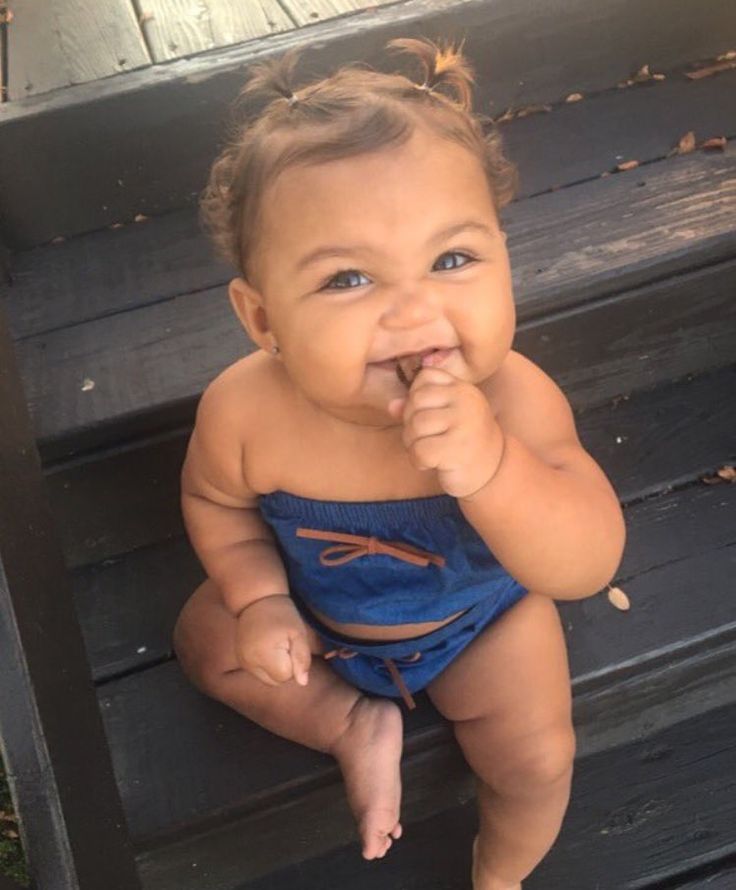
{"x": 259, "y": 843}
{"x": 570, "y": 250}
{"x": 129, "y": 602}
{"x": 637, "y": 815}
{"x": 107, "y": 272}
{"x": 719, "y": 875}
{"x": 207, "y": 764}
{"x": 75, "y": 835}
{"x": 581, "y": 140}
{"x": 120, "y": 501}
{"x": 141, "y": 142}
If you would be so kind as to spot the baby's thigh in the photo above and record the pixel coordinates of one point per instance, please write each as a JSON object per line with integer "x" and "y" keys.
{"x": 509, "y": 692}
{"x": 205, "y": 635}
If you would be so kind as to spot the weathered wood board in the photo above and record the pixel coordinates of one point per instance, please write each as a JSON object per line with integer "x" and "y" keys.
{"x": 638, "y": 816}
{"x": 176, "y": 28}
{"x": 64, "y": 42}
{"x": 307, "y": 12}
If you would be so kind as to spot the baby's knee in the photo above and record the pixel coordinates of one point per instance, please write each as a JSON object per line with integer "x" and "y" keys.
{"x": 535, "y": 763}
{"x": 200, "y": 639}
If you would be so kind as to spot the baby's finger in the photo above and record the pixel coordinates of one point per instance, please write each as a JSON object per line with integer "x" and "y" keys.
{"x": 301, "y": 659}
{"x": 433, "y": 375}
{"x": 430, "y": 422}
{"x": 278, "y": 667}
{"x": 261, "y": 675}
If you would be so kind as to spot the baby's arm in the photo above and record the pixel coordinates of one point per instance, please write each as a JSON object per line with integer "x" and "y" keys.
{"x": 235, "y": 545}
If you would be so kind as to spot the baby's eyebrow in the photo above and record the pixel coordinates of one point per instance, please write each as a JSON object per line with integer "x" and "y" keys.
{"x": 338, "y": 250}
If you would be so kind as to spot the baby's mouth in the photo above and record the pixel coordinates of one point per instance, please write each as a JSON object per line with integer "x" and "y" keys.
{"x": 408, "y": 366}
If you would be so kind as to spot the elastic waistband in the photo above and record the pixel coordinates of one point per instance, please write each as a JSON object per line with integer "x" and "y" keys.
{"x": 395, "y": 648}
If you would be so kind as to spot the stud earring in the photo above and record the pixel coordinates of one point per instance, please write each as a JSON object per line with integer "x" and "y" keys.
{"x": 275, "y": 350}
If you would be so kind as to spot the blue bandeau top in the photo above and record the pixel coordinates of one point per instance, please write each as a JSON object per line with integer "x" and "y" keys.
{"x": 383, "y": 562}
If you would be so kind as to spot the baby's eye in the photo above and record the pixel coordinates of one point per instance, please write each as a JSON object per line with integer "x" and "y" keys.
{"x": 455, "y": 253}
{"x": 331, "y": 285}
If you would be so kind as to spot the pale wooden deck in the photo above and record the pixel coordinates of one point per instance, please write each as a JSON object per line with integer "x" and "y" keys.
{"x": 52, "y": 44}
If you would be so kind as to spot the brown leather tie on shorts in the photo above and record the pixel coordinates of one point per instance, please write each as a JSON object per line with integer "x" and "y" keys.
{"x": 349, "y": 547}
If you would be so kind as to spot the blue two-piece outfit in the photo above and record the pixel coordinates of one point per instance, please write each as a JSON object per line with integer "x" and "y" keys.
{"x": 389, "y": 562}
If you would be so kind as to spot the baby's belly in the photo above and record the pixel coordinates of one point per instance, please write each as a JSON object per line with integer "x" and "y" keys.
{"x": 384, "y": 632}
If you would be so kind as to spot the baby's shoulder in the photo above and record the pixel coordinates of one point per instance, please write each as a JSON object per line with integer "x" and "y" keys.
{"x": 240, "y": 399}
{"x": 525, "y": 398}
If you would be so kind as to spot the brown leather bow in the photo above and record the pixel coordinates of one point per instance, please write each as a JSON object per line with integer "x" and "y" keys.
{"x": 355, "y": 546}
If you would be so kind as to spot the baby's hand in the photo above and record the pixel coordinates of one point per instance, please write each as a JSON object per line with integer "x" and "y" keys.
{"x": 271, "y": 641}
{"x": 450, "y": 427}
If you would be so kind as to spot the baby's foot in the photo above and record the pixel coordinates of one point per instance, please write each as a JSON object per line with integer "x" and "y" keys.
{"x": 482, "y": 880}
{"x": 369, "y": 752}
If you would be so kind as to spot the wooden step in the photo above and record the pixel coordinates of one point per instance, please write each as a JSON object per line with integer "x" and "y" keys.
{"x": 140, "y": 142}
{"x": 604, "y": 273}
{"x": 640, "y": 815}
{"x": 193, "y": 793}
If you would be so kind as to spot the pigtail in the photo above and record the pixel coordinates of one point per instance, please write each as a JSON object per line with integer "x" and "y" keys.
{"x": 442, "y": 65}
{"x": 273, "y": 77}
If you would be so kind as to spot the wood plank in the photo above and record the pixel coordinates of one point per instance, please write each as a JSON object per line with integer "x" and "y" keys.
{"x": 160, "y": 358}
{"x": 638, "y": 816}
{"x": 94, "y": 275}
{"x": 120, "y": 615}
{"x": 641, "y": 123}
{"x": 178, "y": 28}
{"x": 307, "y": 12}
{"x": 182, "y": 108}
{"x": 69, "y": 42}
{"x": 719, "y": 875}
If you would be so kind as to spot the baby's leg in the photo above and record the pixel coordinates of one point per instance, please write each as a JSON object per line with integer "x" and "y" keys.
{"x": 364, "y": 735}
{"x": 509, "y": 696}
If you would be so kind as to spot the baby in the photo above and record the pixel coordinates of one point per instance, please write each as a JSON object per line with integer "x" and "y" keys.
{"x": 385, "y": 496}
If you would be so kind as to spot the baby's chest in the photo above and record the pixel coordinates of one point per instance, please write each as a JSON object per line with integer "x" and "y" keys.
{"x": 315, "y": 465}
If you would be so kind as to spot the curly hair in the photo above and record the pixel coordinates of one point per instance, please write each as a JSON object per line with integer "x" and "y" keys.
{"x": 354, "y": 111}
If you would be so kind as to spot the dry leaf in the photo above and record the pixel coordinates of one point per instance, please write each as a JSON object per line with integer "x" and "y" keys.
{"x": 117, "y": 226}
{"x": 140, "y": 218}
{"x": 617, "y": 598}
{"x": 627, "y": 165}
{"x": 508, "y": 115}
{"x": 60, "y": 239}
{"x": 731, "y": 54}
{"x": 711, "y": 69}
{"x": 642, "y": 74}
{"x": 659, "y": 77}
{"x": 716, "y": 143}
{"x": 532, "y": 109}
{"x": 686, "y": 143}
{"x": 574, "y": 97}
{"x": 87, "y": 384}
{"x": 725, "y": 474}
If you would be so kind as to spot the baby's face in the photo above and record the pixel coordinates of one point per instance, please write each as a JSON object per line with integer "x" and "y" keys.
{"x": 368, "y": 258}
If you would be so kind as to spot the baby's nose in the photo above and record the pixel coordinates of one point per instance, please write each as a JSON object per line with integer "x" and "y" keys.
{"x": 410, "y": 307}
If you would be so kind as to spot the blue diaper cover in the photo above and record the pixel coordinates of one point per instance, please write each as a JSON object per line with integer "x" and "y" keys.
{"x": 401, "y": 667}
{"x": 387, "y": 563}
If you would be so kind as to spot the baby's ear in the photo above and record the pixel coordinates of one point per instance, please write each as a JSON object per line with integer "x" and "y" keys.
{"x": 248, "y": 305}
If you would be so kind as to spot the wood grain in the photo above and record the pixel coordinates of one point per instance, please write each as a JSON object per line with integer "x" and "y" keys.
{"x": 177, "y": 28}
{"x": 54, "y": 45}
